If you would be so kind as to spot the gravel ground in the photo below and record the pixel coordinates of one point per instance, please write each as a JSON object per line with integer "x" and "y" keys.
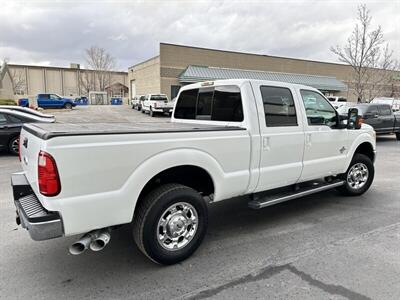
{"x": 323, "y": 246}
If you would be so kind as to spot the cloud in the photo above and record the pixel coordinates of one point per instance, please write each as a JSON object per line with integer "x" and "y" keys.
{"x": 58, "y": 32}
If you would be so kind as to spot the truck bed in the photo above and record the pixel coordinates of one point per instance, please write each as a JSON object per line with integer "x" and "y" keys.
{"x": 48, "y": 131}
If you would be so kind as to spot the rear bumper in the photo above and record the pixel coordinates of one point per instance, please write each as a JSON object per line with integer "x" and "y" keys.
{"x": 162, "y": 109}
{"x": 31, "y": 215}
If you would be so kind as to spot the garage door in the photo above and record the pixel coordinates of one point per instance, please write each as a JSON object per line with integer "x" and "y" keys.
{"x": 133, "y": 89}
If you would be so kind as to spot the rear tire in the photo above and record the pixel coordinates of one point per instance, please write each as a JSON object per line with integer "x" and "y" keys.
{"x": 13, "y": 145}
{"x": 68, "y": 106}
{"x": 358, "y": 177}
{"x": 170, "y": 223}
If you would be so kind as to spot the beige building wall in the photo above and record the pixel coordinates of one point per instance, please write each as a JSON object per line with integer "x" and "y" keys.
{"x": 144, "y": 78}
{"x": 54, "y": 81}
{"x": 62, "y": 81}
{"x": 175, "y": 58}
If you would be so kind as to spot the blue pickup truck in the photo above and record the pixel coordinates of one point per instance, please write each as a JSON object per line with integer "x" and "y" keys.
{"x": 54, "y": 101}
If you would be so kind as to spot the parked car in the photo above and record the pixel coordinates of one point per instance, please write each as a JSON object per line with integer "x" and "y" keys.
{"x": 337, "y": 101}
{"x": 156, "y": 103}
{"x": 27, "y": 111}
{"x": 268, "y": 141}
{"x": 54, "y": 101}
{"x": 137, "y": 102}
{"x": 11, "y": 122}
{"x": 379, "y": 116}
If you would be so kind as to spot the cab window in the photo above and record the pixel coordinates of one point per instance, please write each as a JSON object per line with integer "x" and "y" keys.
{"x": 385, "y": 110}
{"x": 14, "y": 119}
{"x": 318, "y": 110}
{"x": 54, "y": 97}
{"x": 279, "y": 106}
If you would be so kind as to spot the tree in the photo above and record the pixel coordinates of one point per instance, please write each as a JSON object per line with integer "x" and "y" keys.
{"x": 86, "y": 82}
{"x": 369, "y": 56}
{"x": 17, "y": 78}
{"x": 19, "y": 82}
{"x": 101, "y": 63}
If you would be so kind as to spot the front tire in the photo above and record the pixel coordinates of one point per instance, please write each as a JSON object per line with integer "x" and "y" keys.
{"x": 151, "y": 112}
{"x": 398, "y": 136}
{"x": 170, "y": 223}
{"x": 358, "y": 177}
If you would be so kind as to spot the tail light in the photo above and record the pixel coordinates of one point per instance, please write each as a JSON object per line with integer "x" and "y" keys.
{"x": 48, "y": 178}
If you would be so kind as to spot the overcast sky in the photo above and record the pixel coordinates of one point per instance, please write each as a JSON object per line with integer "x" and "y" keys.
{"x": 57, "y": 32}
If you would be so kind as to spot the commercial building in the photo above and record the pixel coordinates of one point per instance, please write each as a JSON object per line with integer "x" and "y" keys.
{"x": 177, "y": 65}
{"x": 71, "y": 82}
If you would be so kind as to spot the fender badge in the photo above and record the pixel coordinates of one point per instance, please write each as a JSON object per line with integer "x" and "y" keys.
{"x": 341, "y": 150}
{"x": 25, "y": 143}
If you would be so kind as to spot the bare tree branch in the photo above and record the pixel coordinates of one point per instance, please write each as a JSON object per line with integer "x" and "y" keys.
{"x": 368, "y": 55}
{"x": 102, "y": 63}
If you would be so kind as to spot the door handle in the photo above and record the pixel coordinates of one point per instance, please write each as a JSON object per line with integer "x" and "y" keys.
{"x": 308, "y": 139}
{"x": 266, "y": 143}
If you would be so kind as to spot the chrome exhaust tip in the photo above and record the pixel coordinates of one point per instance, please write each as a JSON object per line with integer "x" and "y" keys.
{"x": 81, "y": 245}
{"x": 101, "y": 240}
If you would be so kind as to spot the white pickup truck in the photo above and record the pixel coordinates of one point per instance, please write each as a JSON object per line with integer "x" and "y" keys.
{"x": 266, "y": 141}
{"x": 157, "y": 103}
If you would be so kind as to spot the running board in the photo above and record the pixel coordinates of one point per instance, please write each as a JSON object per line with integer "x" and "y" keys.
{"x": 286, "y": 196}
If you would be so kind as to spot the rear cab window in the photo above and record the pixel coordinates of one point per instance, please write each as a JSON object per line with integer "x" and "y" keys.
{"x": 219, "y": 103}
{"x": 158, "y": 98}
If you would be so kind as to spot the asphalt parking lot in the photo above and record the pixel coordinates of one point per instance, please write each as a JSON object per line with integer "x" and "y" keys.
{"x": 323, "y": 246}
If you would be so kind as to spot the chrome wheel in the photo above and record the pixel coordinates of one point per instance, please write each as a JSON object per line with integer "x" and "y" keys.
{"x": 357, "y": 176}
{"x": 15, "y": 145}
{"x": 177, "y": 226}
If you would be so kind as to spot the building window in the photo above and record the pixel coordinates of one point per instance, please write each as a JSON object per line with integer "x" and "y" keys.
{"x": 174, "y": 90}
{"x": 279, "y": 106}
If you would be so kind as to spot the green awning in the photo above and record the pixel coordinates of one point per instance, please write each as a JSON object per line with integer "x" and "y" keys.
{"x": 201, "y": 73}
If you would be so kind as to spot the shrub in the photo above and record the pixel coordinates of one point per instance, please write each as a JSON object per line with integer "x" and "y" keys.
{"x": 7, "y": 102}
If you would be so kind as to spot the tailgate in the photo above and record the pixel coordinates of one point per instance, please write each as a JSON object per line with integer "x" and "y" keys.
{"x": 162, "y": 104}
{"x": 30, "y": 146}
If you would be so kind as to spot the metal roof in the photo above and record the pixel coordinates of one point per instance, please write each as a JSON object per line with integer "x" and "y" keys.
{"x": 202, "y": 73}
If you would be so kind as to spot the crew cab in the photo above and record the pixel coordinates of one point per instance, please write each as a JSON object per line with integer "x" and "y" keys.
{"x": 156, "y": 103}
{"x": 266, "y": 141}
{"x": 379, "y": 116}
{"x": 54, "y": 101}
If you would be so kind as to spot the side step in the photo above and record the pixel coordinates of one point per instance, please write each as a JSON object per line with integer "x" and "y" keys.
{"x": 290, "y": 195}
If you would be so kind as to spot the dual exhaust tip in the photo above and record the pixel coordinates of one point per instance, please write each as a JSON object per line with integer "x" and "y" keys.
{"x": 95, "y": 240}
